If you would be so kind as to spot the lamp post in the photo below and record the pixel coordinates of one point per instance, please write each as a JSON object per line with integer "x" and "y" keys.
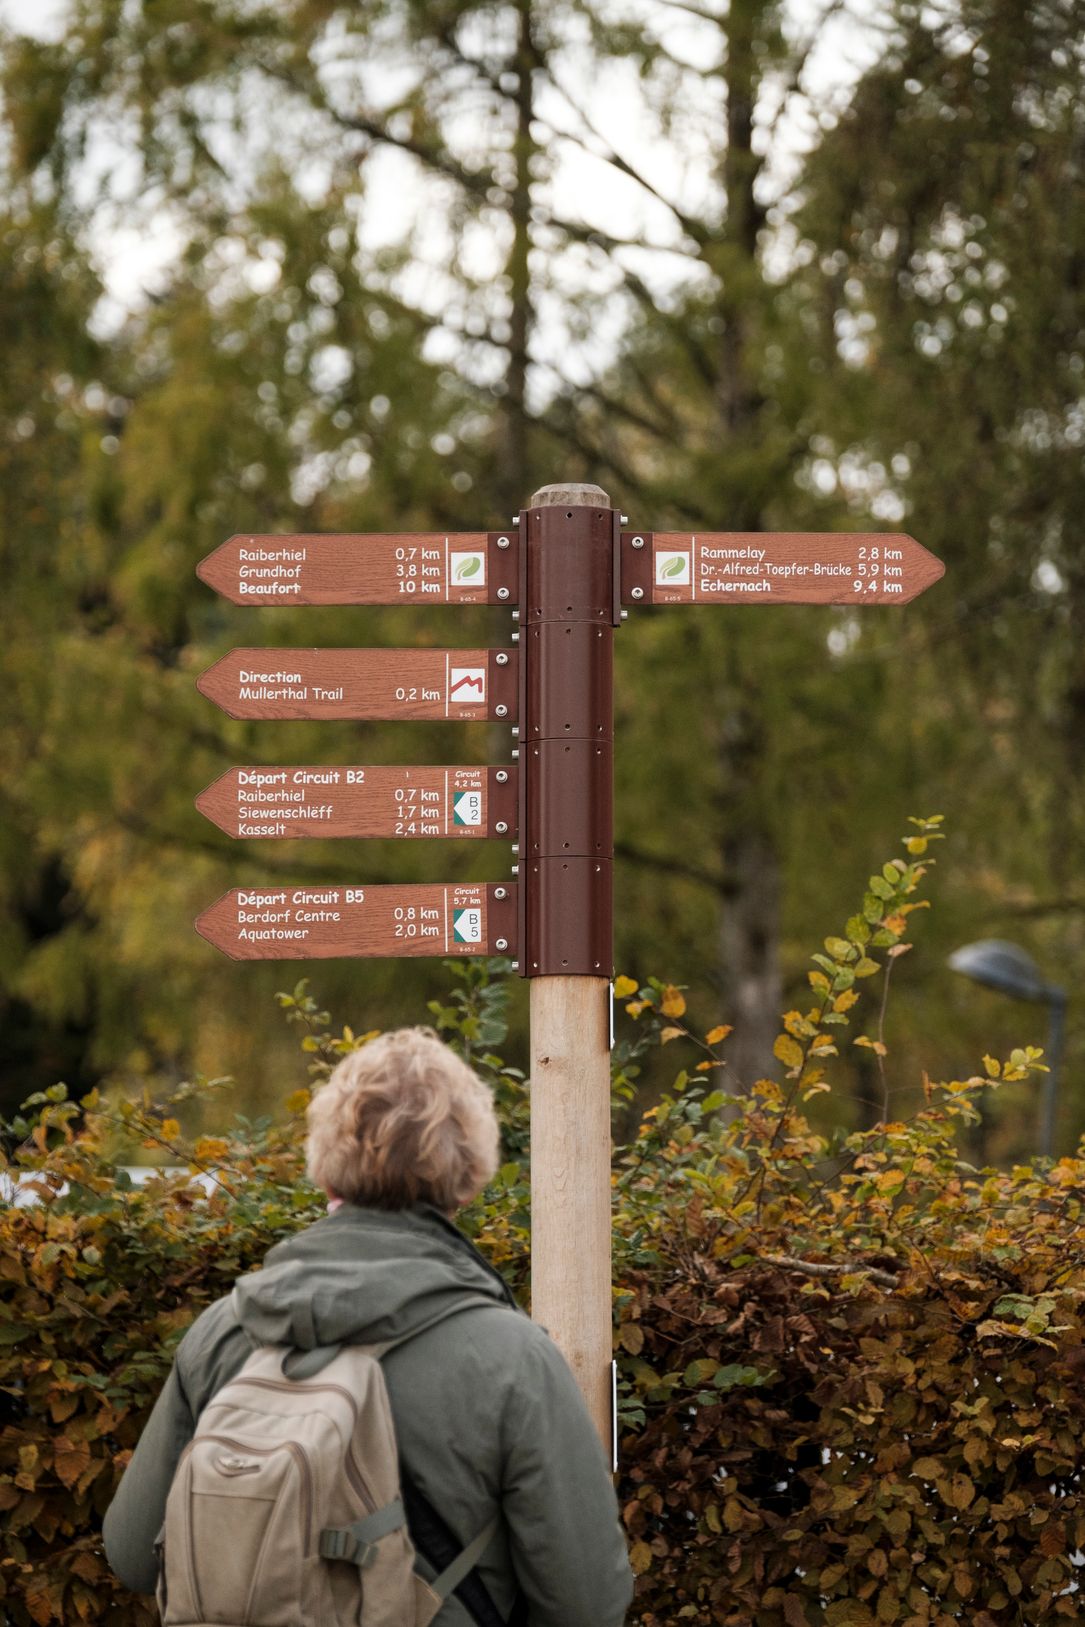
{"x": 998, "y": 964}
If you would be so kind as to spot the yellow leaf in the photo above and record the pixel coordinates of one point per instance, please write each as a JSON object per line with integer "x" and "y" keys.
{"x": 297, "y": 1102}
{"x": 673, "y": 1003}
{"x": 714, "y": 1035}
{"x": 640, "y": 1558}
{"x": 671, "y": 1033}
{"x": 845, "y": 1001}
{"x": 170, "y": 1129}
{"x": 623, "y": 987}
{"x": 788, "y": 1051}
{"x": 635, "y": 1007}
{"x": 993, "y": 1067}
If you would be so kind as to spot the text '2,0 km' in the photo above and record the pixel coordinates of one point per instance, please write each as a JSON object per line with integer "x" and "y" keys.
{"x": 320, "y": 923}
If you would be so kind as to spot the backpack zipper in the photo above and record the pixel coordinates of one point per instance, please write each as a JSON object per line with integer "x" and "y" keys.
{"x": 354, "y": 1473}
{"x": 305, "y": 1474}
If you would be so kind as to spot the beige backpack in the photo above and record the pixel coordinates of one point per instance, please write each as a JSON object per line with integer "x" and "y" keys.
{"x": 285, "y": 1509}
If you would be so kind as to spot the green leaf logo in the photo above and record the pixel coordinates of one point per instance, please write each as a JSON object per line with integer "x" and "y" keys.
{"x": 468, "y": 567}
{"x": 674, "y": 567}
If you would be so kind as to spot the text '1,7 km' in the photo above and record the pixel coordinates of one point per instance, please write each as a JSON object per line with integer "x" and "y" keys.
{"x": 351, "y": 801}
{"x": 568, "y": 567}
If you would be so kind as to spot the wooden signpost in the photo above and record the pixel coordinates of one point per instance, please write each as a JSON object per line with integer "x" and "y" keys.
{"x": 569, "y": 567}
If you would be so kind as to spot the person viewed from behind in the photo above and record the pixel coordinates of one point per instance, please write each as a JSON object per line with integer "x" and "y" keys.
{"x": 500, "y": 1467}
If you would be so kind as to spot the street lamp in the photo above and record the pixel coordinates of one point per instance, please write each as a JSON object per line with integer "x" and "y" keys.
{"x": 1007, "y": 967}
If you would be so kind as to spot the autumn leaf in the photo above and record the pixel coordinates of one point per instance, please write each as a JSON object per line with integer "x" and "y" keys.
{"x": 788, "y": 1051}
{"x": 70, "y": 1459}
{"x": 623, "y": 987}
{"x": 671, "y": 1033}
{"x": 721, "y": 1031}
{"x": 673, "y": 1003}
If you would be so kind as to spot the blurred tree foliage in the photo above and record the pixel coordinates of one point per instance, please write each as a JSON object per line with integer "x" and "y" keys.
{"x": 405, "y": 261}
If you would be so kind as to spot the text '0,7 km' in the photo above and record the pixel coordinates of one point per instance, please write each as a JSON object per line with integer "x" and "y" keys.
{"x": 323, "y": 923}
{"x": 472, "y": 567}
{"x": 329, "y": 801}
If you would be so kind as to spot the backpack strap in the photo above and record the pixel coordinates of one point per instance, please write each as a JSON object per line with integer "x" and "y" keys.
{"x": 452, "y": 1575}
{"x": 357, "y": 1543}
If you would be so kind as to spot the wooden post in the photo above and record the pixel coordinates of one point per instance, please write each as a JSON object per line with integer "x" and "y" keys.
{"x": 568, "y": 613}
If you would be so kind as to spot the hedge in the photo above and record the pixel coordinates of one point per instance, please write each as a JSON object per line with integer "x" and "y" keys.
{"x": 851, "y": 1365}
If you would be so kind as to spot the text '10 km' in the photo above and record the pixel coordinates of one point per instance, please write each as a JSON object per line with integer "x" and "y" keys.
{"x": 568, "y": 571}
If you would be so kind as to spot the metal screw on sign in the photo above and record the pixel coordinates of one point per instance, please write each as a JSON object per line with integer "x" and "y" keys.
{"x": 502, "y": 776}
{"x": 637, "y": 593}
{"x": 501, "y": 658}
{"x": 638, "y": 542}
{"x": 501, "y": 827}
{"x": 501, "y": 892}
{"x": 501, "y": 711}
{"x": 502, "y": 593}
{"x": 501, "y": 943}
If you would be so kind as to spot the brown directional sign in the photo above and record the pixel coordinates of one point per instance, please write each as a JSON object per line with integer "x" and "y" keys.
{"x": 471, "y": 567}
{"x": 389, "y": 684}
{"x": 349, "y": 801}
{"x": 765, "y": 567}
{"x": 320, "y": 923}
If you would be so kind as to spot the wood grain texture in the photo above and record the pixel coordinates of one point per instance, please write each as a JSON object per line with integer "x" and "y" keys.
{"x": 469, "y": 567}
{"x": 570, "y": 1179}
{"x": 334, "y": 922}
{"x": 354, "y": 801}
{"x": 394, "y": 684}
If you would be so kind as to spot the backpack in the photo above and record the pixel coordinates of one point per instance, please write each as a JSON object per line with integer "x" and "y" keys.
{"x": 285, "y": 1509}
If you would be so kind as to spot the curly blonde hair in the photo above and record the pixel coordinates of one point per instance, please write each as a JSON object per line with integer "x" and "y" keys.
{"x": 403, "y": 1121}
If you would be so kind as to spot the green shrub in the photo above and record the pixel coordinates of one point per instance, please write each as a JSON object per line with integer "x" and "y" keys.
{"x": 850, "y": 1364}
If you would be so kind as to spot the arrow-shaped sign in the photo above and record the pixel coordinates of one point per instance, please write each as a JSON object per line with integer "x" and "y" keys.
{"x": 320, "y": 923}
{"x": 766, "y": 567}
{"x": 471, "y": 567}
{"x": 388, "y": 684}
{"x": 342, "y": 800}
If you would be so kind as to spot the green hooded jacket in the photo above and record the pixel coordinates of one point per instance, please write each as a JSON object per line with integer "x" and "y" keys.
{"x": 488, "y": 1417}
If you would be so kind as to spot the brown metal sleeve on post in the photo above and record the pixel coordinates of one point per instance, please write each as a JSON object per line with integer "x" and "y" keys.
{"x": 568, "y": 611}
{"x": 567, "y": 739}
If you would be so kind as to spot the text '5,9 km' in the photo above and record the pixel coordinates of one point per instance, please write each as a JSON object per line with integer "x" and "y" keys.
{"x": 568, "y": 567}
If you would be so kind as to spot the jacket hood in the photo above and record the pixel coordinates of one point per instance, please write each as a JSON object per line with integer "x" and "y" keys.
{"x": 363, "y": 1276}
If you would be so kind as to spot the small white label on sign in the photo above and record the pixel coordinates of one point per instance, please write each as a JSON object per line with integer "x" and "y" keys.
{"x": 467, "y": 684}
{"x": 467, "y": 808}
{"x": 467, "y": 570}
{"x": 673, "y": 569}
{"x": 467, "y": 925}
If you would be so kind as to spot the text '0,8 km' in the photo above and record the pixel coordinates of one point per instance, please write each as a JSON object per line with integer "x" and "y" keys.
{"x": 471, "y": 567}
{"x": 341, "y": 800}
{"x": 322, "y": 923}
{"x": 735, "y": 567}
